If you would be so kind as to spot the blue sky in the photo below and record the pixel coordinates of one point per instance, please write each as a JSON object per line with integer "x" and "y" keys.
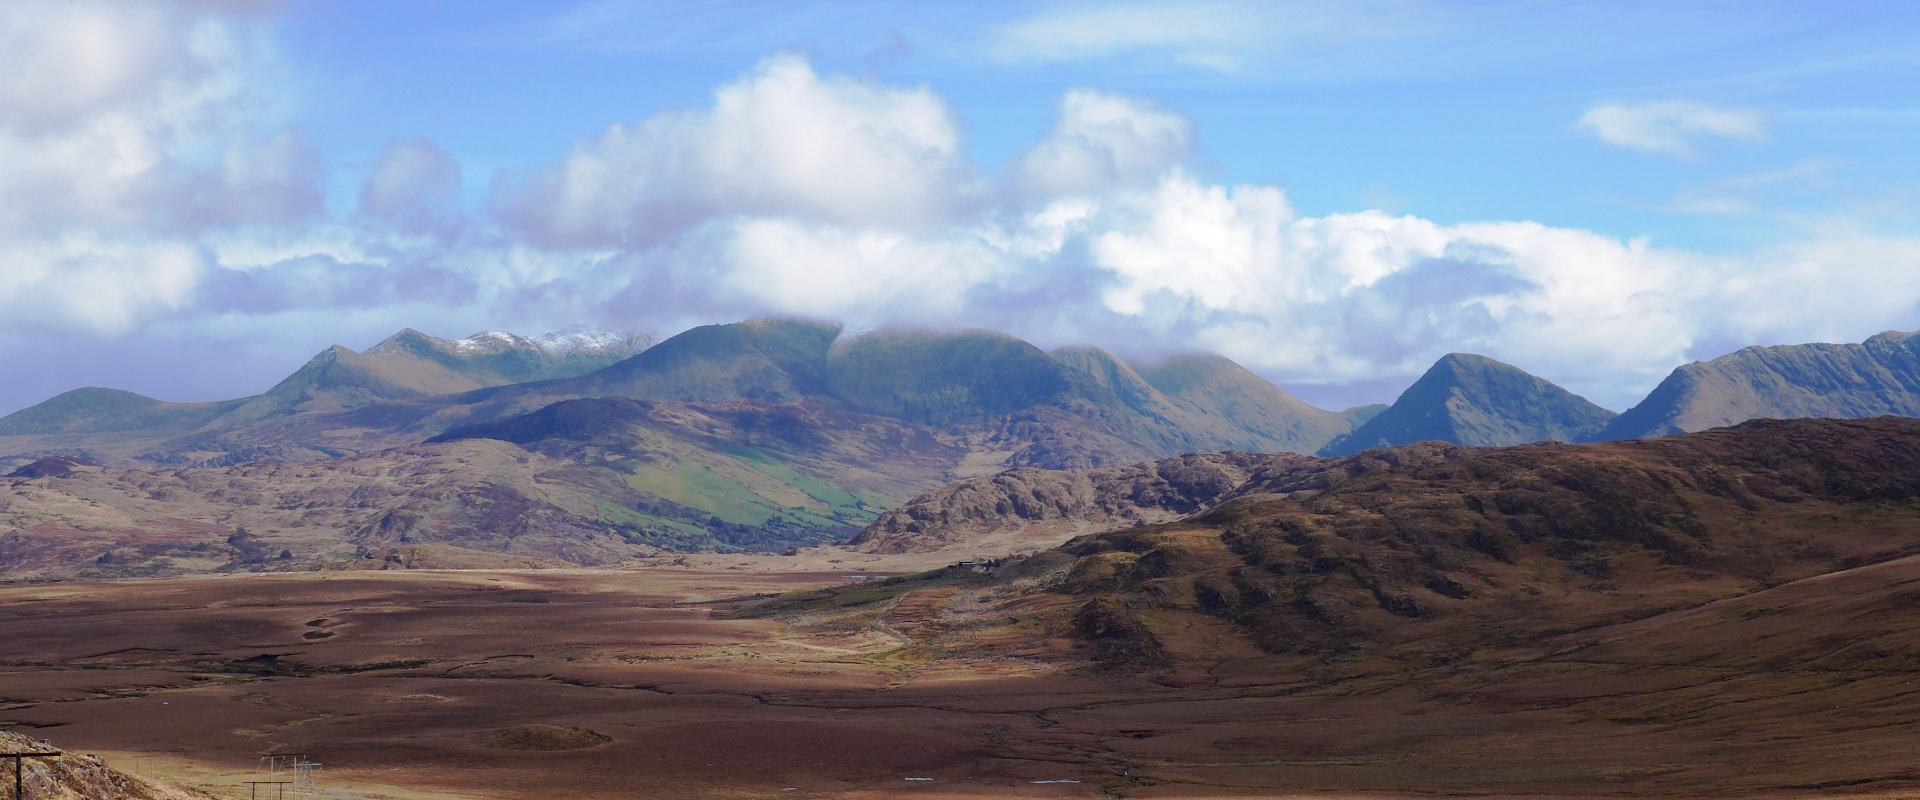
{"x": 1456, "y": 112}
{"x": 1333, "y": 193}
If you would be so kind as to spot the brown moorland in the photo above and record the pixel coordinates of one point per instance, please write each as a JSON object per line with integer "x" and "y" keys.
{"x": 1726, "y": 614}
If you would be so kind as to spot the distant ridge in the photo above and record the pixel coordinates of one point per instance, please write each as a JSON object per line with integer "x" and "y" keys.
{"x": 97, "y": 410}
{"x": 492, "y": 358}
{"x": 1844, "y": 381}
{"x": 1011, "y": 403}
{"x": 408, "y": 364}
{"x": 1475, "y": 400}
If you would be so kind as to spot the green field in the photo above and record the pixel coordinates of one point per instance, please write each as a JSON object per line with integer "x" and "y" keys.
{"x": 802, "y": 508}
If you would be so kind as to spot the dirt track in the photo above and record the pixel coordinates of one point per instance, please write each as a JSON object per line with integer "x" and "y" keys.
{"x": 403, "y": 683}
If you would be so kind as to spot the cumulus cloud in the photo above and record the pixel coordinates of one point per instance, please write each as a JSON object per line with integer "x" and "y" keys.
{"x": 1102, "y": 142}
{"x": 1196, "y": 245}
{"x": 1671, "y": 128}
{"x": 782, "y": 140}
{"x": 126, "y": 133}
{"x": 86, "y": 284}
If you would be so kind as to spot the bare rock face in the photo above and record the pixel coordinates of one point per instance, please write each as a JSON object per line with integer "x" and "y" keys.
{"x": 1149, "y": 492}
{"x": 1842, "y": 381}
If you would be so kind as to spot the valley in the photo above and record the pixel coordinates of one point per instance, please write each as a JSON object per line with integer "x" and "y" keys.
{"x": 767, "y": 559}
{"x": 1718, "y": 614}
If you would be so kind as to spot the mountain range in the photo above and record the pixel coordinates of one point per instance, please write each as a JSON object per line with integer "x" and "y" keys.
{"x": 763, "y": 435}
{"x": 1474, "y": 400}
{"x": 771, "y": 434}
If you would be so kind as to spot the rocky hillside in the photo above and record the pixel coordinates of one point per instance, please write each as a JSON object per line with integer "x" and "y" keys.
{"x": 1841, "y": 381}
{"x": 1475, "y": 400}
{"x": 1112, "y": 497}
{"x": 1411, "y": 554}
{"x": 580, "y": 482}
{"x": 76, "y": 776}
{"x": 479, "y": 503}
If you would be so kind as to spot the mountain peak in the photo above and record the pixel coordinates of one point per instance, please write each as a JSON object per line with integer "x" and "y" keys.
{"x": 1471, "y": 361}
{"x": 1472, "y": 399}
{"x": 413, "y": 343}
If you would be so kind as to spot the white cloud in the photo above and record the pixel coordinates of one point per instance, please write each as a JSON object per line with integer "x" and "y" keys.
{"x": 1674, "y": 128}
{"x": 86, "y": 284}
{"x": 1353, "y": 296}
{"x": 128, "y": 130}
{"x": 850, "y": 274}
{"x": 1223, "y": 35}
{"x": 1196, "y": 244}
{"x": 781, "y": 140}
{"x": 1103, "y": 142}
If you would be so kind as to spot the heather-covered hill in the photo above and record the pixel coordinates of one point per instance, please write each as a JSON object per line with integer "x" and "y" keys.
{"x": 1081, "y": 500}
{"x": 1408, "y": 554}
{"x": 470, "y": 503}
{"x": 581, "y": 482}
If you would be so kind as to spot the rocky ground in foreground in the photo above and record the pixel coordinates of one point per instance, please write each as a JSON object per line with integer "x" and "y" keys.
{"x": 77, "y": 776}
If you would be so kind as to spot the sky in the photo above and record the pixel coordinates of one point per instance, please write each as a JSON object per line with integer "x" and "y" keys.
{"x": 196, "y": 196}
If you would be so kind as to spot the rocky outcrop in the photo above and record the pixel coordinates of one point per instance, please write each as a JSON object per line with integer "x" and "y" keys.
{"x": 76, "y": 776}
{"x": 1150, "y": 492}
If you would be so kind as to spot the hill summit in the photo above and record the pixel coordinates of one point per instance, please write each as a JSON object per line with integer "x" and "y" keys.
{"x": 1475, "y": 400}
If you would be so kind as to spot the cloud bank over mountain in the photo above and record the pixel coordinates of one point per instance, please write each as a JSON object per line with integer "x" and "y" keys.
{"x": 155, "y": 197}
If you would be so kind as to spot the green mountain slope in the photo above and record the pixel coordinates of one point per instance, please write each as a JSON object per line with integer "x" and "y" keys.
{"x": 1475, "y": 400}
{"x": 301, "y": 417}
{"x": 1006, "y": 402}
{"x": 941, "y": 379}
{"x": 738, "y": 474}
{"x": 1230, "y": 408}
{"x": 97, "y": 410}
{"x": 773, "y": 361}
{"x": 1841, "y": 381}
